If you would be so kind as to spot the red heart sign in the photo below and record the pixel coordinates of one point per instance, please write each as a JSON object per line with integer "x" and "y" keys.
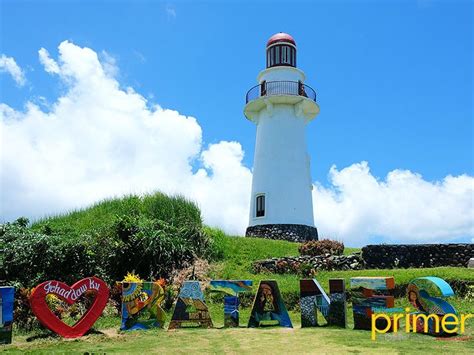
{"x": 70, "y": 295}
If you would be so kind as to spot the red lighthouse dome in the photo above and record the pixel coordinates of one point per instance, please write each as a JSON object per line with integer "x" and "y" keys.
{"x": 281, "y": 37}
{"x": 281, "y": 50}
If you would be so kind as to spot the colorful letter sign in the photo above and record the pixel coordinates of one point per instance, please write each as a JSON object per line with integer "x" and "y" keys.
{"x": 337, "y": 307}
{"x": 314, "y": 298}
{"x": 231, "y": 302}
{"x": 7, "y": 295}
{"x": 70, "y": 295}
{"x": 364, "y": 300}
{"x": 425, "y": 294}
{"x": 190, "y": 308}
{"x": 141, "y": 305}
{"x": 268, "y": 307}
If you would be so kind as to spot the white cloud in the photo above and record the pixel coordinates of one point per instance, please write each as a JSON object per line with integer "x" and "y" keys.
{"x": 109, "y": 64}
{"x": 224, "y": 196}
{"x": 48, "y": 63}
{"x": 404, "y": 208}
{"x": 8, "y": 65}
{"x": 99, "y": 140}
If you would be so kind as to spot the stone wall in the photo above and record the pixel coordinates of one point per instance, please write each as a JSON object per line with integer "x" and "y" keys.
{"x": 374, "y": 257}
{"x": 290, "y": 232}
{"x": 304, "y": 263}
{"x": 416, "y": 255}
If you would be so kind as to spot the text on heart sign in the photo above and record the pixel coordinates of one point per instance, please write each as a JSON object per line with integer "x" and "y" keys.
{"x": 71, "y": 294}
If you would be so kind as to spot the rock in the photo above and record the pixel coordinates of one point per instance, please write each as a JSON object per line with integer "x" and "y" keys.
{"x": 318, "y": 262}
{"x": 290, "y": 232}
{"x": 374, "y": 256}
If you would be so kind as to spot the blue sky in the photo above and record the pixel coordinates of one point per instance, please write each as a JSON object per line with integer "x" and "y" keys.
{"x": 393, "y": 78}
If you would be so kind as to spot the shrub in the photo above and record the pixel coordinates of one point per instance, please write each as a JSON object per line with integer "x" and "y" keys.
{"x": 23, "y": 316}
{"x": 153, "y": 248}
{"x": 30, "y": 258}
{"x": 306, "y": 270}
{"x": 115, "y": 297}
{"x": 282, "y": 266}
{"x": 151, "y": 235}
{"x": 321, "y": 247}
{"x": 150, "y": 248}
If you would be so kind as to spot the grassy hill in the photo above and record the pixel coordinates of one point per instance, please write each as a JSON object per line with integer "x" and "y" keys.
{"x": 239, "y": 253}
{"x": 152, "y": 235}
{"x": 175, "y": 210}
{"x": 142, "y": 218}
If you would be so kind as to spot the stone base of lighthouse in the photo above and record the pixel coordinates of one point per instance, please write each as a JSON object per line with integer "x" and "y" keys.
{"x": 291, "y": 232}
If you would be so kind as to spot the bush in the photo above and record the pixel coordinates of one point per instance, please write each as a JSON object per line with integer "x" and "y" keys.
{"x": 153, "y": 249}
{"x": 30, "y": 258}
{"x": 151, "y": 235}
{"x": 321, "y": 247}
{"x": 23, "y": 316}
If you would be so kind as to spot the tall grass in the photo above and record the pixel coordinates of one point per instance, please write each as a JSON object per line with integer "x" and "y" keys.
{"x": 151, "y": 235}
{"x": 175, "y": 210}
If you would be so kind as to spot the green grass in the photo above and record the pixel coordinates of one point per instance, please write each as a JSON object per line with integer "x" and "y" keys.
{"x": 273, "y": 340}
{"x": 238, "y": 255}
{"x": 173, "y": 209}
{"x": 149, "y": 234}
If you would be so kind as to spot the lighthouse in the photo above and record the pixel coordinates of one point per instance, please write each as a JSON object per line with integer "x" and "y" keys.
{"x": 281, "y": 105}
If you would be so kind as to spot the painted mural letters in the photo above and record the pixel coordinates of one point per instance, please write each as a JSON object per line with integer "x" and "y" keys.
{"x": 231, "y": 288}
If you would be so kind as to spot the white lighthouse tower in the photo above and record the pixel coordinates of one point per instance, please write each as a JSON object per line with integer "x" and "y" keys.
{"x": 281, "y": 105}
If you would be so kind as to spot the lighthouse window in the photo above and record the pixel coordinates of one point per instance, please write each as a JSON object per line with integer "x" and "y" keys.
{"x": 281, "y": 55}
{"x": 263, "y": 88}
{"x": 260, "y": 206}
{"x": 288, "y": 55}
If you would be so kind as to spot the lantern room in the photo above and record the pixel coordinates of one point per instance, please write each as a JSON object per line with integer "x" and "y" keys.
{"x": 281, "y": 51}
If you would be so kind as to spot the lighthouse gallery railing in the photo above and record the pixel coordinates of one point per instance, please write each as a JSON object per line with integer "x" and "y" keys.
{"x": 275, "y": 88}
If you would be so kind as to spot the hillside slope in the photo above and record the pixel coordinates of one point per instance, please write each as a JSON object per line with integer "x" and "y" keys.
{"x": 239, "y": 254}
